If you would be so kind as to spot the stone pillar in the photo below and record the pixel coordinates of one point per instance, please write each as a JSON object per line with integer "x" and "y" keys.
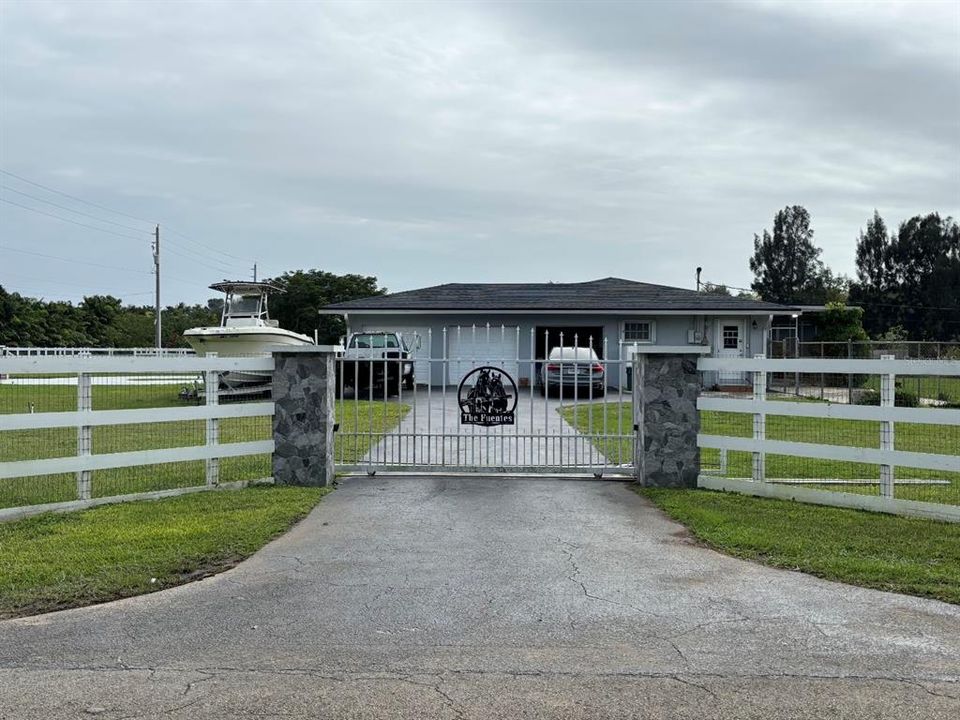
{"x": 304, "y": 391}
{"x": 665, "y": 401}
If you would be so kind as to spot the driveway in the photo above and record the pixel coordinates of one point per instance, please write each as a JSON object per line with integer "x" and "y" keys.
{"x": 489, "y": 598}
{"x": 431, "y": 434}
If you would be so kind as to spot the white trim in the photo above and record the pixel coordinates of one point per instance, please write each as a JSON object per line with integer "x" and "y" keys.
{"x": 17, "y": 513}
{"x": 96, "y": 418}
{"x": 818, "y": 365}
{"x": 873, "y": 456}
{"x": 874, "y": 503}
{"x": 131, "y": 364}
{"x": 50, "y": 466}
{"x": 838, "y": 411}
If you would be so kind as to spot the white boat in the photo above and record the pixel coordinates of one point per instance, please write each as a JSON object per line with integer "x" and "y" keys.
{"x": 245, "y": 329}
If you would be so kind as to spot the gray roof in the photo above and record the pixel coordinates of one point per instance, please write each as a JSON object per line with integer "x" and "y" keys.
{"x": 600, "y": 295}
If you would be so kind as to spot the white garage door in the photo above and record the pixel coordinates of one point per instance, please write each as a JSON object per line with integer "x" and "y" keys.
{"x": 418, "y": 341}
{"x": 468, "y": 348}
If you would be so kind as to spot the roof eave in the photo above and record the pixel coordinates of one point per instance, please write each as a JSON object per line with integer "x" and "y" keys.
{"x": 775, "y": 310}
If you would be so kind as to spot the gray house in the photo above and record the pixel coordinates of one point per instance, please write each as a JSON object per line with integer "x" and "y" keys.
{"x": 518, "y": 324}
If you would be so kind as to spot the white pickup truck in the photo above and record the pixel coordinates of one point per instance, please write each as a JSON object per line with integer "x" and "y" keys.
{"x": 376, "y": 360}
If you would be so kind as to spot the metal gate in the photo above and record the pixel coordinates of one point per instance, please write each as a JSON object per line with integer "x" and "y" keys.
{"x": 486, "y": 404}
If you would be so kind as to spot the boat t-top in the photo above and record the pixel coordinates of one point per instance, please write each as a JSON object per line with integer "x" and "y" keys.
{"x": 245, "y": 326}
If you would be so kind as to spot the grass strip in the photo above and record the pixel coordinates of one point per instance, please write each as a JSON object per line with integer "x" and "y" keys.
{"x": 914, "y": 556}
{"x": 63, "y": 560}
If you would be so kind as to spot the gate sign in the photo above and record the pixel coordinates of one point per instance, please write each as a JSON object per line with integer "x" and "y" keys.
{"x": 485, "y": 399}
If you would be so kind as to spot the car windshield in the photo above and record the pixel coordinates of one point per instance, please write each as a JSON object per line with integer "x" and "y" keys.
{"x": 573, "y": 354}
{"x": 374, "y": 340}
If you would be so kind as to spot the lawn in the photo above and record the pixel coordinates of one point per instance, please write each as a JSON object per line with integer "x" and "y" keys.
{"x": 941, "y": 439}
{"x": 55, "y": 561}
{"x": 373, "y": 419}
{"x": 886, "y": 552}
{"x": 933, "y": 388}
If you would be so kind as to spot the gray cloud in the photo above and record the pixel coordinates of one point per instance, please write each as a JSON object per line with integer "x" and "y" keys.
{"x": 430, "y": 142}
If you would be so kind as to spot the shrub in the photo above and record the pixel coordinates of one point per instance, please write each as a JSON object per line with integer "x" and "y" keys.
{"x": 903, "y": 398}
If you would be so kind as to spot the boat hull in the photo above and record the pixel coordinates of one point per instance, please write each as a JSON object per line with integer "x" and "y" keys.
{"x": 243, "y": 342}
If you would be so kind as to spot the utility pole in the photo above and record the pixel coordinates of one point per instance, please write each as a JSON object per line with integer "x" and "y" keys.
{"x": 156, "y": 272}
{"x": 254, "y": 272}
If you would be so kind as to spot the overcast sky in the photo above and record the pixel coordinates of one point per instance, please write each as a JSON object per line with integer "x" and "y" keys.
{"x": 439, "y": 142}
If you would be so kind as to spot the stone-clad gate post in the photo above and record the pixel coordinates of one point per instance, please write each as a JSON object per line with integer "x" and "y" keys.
{"x": 666, "y": 420}
{"x": 304, "y": 391}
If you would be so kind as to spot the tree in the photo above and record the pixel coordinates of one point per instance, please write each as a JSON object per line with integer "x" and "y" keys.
{"x": 786, "y": 264}
{"x": 711, "y": 289}
{"x": 912, "y": 280}
{"x": 873, "y": 256}
{"x": 839, "y": 323}
{"x": 304, "y": 292}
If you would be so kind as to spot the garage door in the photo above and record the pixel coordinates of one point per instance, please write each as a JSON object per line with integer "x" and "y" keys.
{"x": 418, "y": 341}
{"x": 469, "y": 347}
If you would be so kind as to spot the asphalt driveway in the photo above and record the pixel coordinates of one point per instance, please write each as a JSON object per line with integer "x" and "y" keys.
{"x": 486, "y": 598}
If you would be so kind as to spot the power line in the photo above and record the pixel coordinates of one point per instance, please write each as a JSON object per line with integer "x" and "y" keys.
{"x": 71, "y": 260}
{"x": 197, "y": 242}
{"x": 59, "y": 217}
{"x": 78, "y": 212}
{"x": 74, "y": 197}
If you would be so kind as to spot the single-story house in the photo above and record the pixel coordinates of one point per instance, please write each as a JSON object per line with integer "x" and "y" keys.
{"x": 516, "y": 324}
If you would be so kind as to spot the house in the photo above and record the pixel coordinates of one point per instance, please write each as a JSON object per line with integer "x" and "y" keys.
{"x": 516, "y": 324}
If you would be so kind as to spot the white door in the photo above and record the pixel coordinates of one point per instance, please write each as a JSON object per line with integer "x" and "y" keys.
{"x": 469, "y": 347}
{"x": 418, "y": 341}
{"x": 730, "y": 344}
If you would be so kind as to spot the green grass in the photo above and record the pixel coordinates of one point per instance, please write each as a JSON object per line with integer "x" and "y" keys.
{"x": 941, "y": 439}
{"x": 906, "y": 555}
{"x": 373, "y": 419}
{"x": 924, "y": 387}
{"x": 55, "y": 561}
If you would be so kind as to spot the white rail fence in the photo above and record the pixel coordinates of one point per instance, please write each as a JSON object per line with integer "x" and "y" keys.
{"x": 88, "y": 371}
{"x": 944, "y": 421}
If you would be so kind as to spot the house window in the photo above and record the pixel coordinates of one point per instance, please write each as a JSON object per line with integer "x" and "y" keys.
{"x": 731, "y": 337}
{"x": 638, "y": 331}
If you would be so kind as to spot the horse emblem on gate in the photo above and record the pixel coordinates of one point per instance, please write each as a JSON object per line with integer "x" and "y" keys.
{"x": 485, "y": 399}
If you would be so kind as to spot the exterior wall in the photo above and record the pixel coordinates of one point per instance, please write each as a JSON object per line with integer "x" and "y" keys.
{"x": 669, "y": 330}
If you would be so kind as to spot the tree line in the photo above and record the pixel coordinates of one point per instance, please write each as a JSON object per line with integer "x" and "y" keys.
{"x": 104, "y": 321}
{"x": 907, "y": 282}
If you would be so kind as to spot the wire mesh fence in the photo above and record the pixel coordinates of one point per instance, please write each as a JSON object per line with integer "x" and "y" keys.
{"x": 914, "y": 390}
{"x": 31, "y": 402}
{"x": 790, "y": 418}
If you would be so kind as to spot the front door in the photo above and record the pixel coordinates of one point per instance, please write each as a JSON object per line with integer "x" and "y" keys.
{"x": 730, "y": 344}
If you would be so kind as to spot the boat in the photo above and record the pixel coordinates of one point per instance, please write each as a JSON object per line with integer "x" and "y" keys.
{"x": 245, "y": 329}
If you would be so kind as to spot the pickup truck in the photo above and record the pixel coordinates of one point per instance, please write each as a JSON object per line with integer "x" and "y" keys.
{"x": 375, "y": 360}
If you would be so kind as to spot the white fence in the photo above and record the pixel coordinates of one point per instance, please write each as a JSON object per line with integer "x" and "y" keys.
{"x": 939, "y": 423}
{"x": 92, "y": 351}
{"x": 41, "y": 373}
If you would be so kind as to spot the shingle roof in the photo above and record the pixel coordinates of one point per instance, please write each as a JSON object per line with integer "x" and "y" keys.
{"x": 605, "y": 294}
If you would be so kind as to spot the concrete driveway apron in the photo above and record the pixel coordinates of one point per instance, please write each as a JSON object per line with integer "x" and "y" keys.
{"x": 489, "y": 598}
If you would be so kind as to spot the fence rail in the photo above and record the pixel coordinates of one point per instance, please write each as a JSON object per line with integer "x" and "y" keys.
{"x": 122, "y": 419}
{"x": 6, "y": 351}
{"x": 842, "y": 449}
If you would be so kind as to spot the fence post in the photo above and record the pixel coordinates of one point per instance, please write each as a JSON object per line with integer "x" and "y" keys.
{"x": 304, "y": 393}
{"x": 84, "y": 434}
{"x": 887, "y": 399}
{"x": 849, "y": 375}
{"x": 759, "y": 421}
{"x": 211, "y": 382}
